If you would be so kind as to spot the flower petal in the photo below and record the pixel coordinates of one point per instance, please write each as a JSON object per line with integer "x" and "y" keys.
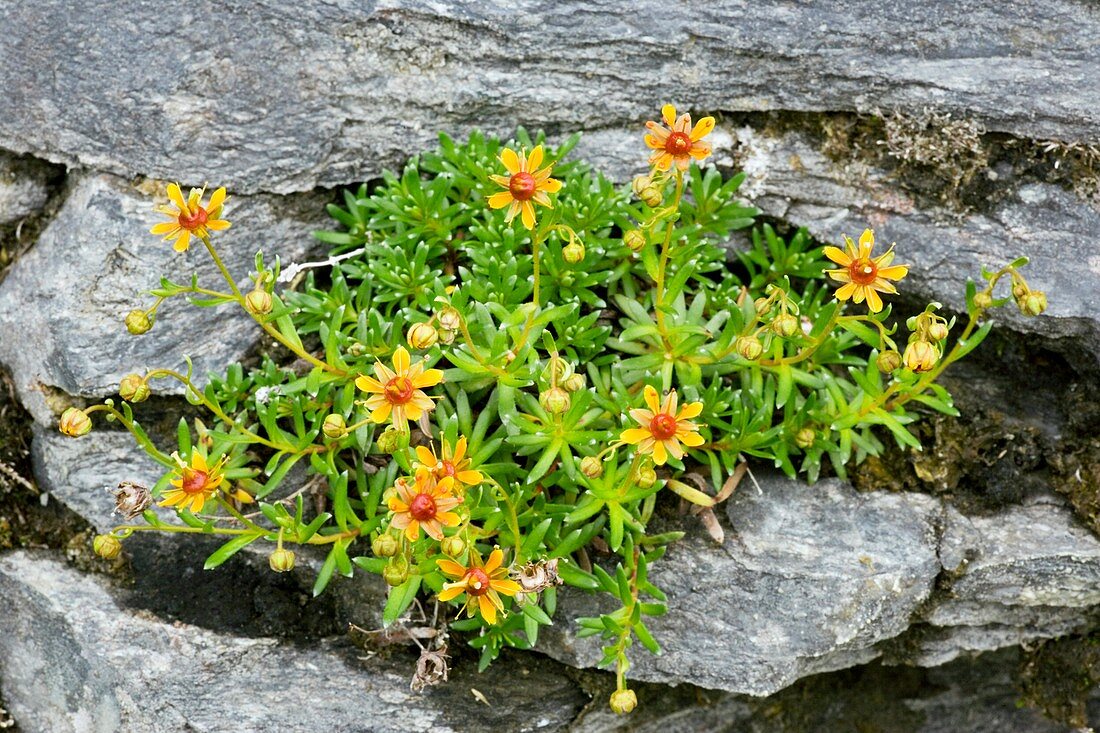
{"x": 652, "y": 399}
{"x": 534, "y": 159}
{"x": 507, "y": 587}
{"x": 510, "y": 160}
{"x": 450, "y": 568}
{"x": 846, "y": 291}
{"x": 528, "y": 214}
{"x": 486, "y": 607}
{"x": 690, "y": 410}
{"x": 874, "y": 302}
{"x": 500, "y": 200}
{"x": 668, "y": 114}
{"x": 660, "y": 455}
{"x": 450, "y": 592}
{"x": 634, "y": 435}
{"x": 496, "y": 557}
{"x": 702, "y": 128}
{"x": 897, "y": 272}
{"x": 176, "y": 195}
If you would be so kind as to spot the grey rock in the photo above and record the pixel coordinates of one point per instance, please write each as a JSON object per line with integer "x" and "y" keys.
{"x": 63, "y": 303}
{"x": 790, "y": 178}
{"x": 819, "y": 578}
{"x": 167, "y": 569}
{"x": 24, "y": 186}
{"x": 72, "y": 659}
{"x": 808, "y": 581}
{"x": 284, "y": 96}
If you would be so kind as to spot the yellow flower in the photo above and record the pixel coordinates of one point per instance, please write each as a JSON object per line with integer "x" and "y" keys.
{"x": 397, "y": 391}
{"x": 663, "y": 428}
{"x": 452, "y": 463}
{"x": 526, "y": 185}
{"x": 425, "y": 503}
{"x": 482, "y": 584}
{"x": 679, "y": 142}
{"x": 195, "y": 484}
{"x": 864, "y": 278}
{"x": 189, "y": 216}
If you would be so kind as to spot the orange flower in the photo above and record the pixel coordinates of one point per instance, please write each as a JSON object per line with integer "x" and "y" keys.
{"x": 526, "y": 185}
{"x": 679, "y": 142}
{"x": 864, "y": 278}
{"x": 190, "y": 217}
{"x": 425, "y": 503}
{"x": 197, "y": 482}
{"x": 663, "y": 428}
{"x": 453, "y": 463}
{"x": 482, "y": 584}
{"x": 397, "y": 391}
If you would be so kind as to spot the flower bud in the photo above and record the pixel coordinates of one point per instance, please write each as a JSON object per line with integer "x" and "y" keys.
{"x": 623, "y": 701}
{"x": 652, "y": 195}
{"x": 1019, "y": 290}
{"x": 258, "y": 302}
{"x": 334, "y": 427}
{"x": 281, "y": 560}
{"x": 646, "y": 477}
{"x": 937, "y": 331}
{"x": 635, "y": 239}
{"x": 592, "y": 467}
{"x": 107, "y": 546}
{"x": 805, "y": 438}
{"x": 384, "y": 545}
{"x": 641, "y": 183}
{"x": 573, "y": 252}
{"x": 75, "y": 422}
{"x": 983, "y": 300}
{"x": 761, "y": 305}
{"x": 138, "y": 322}
{"x": 421, "y": 336}
{"x": 395, "y": 575}
{"x": 555, "y": 400}
{"x": 389, "y": 441}
{"x": 573, "y": 383}
{"x": 133, "y": 388}
{"x": 785, "y": 325}
{"x": 450, "y": 318}
{"x": 446, "y": 337}
{"x": 453, "y": 546}
{"x": 557, "y": 369}
{"x": 749, "y": 347}
{"x": 888, "y": 361}
{"x": 921, "y": 356}
{"x": 1034, "y": 303}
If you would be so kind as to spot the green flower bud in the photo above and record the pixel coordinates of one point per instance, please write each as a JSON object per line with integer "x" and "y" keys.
{"x": 75, "y": 422}
{"x": 395, "y": 574}
{"x": 805, "y": 438}
{"x": 107, "y": 546}
{"x": 133, "y": 388}
{"x": 334, "y": 427}
{"x": 785, "y": 325}
{"x": 635, "y": 239}
{"x": 983, "y": 300}
{"x": 652, "y": 195}
{"x": 453, "y": 546}
{"x": 623, "y": 701}
{"x": 640, "y": 183}
{"x": 761, "y": 305}
{"x": 749, "y": 347}
{"x": 937, "y": 331}
{"x": 384, "y": 545}
{"x": 389, "y": 441}
{"x": 138, "y": 322}
{"x": 555, "y": 400}
{"x": 421, "y": 336}
{"x": 1019, "y": 290}
{"x": 646, "y": 477}
{"x": 573, "y": 383}
{"x": 258, "y": 302}
{"x": 1034, "y": 303}
{"x": 592, "y": 467}
{"x": 281, "y": 560}
{"x": 573, "y": 252}
{"x": 888, "y": 361}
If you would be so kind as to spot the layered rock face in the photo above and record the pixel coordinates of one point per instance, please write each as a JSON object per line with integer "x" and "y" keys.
{"x": 848, "y": 610}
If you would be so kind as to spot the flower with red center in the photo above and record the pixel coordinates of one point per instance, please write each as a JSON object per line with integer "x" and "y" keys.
{"x": 863, "y": 277}
{"x": 452, "y": 462}
{"x": 195, "y": 482}
{"x": 663, "y": 428}
{"x": 482, "y": 584}
{"x": 396, "y": 392}
{"x": 190, "y": 217}
{"x": 425, "y": 503}
{"x": 526, "y": 184}
{"x": 679, "y": 142}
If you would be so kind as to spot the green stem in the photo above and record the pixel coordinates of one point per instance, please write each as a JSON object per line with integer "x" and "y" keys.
{"x": 659, "y": 297}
